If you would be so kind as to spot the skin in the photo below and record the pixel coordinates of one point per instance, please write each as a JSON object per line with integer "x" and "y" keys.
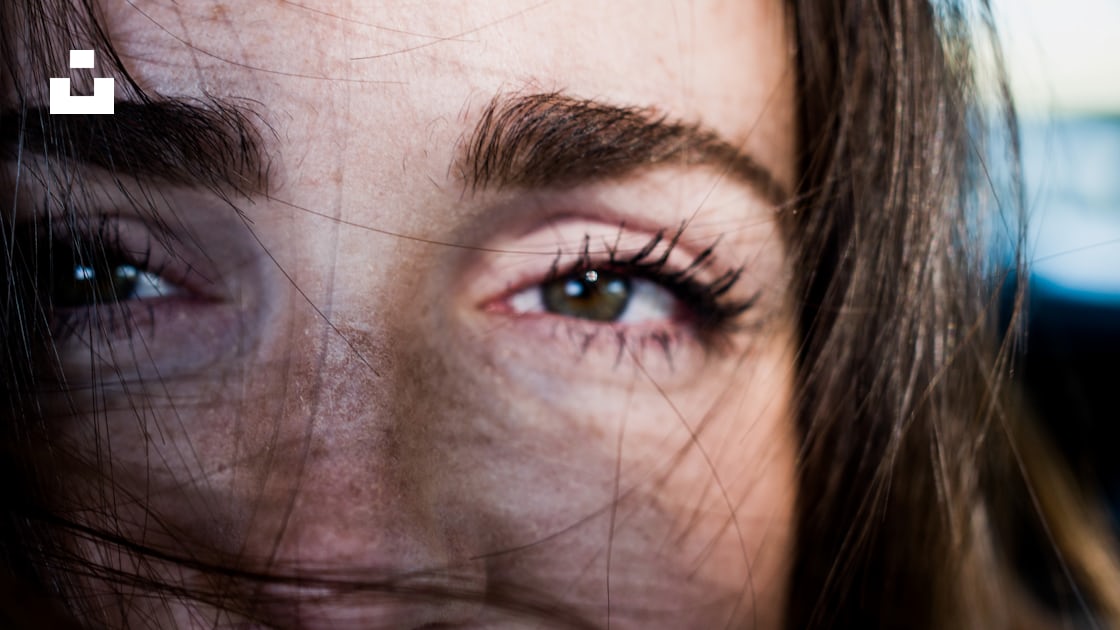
{"x": 332, "y": 390}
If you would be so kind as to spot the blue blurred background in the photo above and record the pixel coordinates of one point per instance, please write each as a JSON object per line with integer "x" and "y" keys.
{"x": 1063, "y": 63}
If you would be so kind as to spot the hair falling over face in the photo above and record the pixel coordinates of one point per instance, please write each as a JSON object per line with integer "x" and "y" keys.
{"x": 519, "y": 314}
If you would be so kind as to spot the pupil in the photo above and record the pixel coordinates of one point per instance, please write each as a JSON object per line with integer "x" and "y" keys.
{"x": 594, "y": 295}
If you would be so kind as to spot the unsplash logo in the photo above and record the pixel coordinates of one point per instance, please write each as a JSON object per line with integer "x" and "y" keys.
{"x": 63, "y": 102}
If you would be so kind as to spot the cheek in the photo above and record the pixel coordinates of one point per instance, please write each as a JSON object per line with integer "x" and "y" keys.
{"x": 684, "y": 496}
{"x": 404, "y": 443}
{"x": 651, "y": 488}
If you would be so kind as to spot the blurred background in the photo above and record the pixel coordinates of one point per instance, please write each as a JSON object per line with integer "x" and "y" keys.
{"x": 1063, "y": 63}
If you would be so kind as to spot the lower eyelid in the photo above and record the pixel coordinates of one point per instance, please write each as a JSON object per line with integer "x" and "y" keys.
{"x": 608, "y": 350}
{"x": 169, "y": 336}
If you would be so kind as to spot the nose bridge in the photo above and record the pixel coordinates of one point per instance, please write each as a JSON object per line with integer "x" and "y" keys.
{"x": 352, "y": 495}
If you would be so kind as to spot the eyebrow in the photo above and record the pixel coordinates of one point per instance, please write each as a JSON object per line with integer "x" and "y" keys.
{"x": 527, "y": 141}
{"x": 193, "y": 143}
{"x": 554, "y": 140}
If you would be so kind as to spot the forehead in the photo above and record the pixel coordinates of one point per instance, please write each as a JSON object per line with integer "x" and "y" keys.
{"x": 427, "y": 65}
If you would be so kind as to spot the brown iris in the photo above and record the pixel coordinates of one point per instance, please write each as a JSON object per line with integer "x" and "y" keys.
{"x": 595, "y": 295}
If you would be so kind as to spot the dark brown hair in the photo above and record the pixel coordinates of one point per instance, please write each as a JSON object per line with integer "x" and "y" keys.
{"x": 913, "y": 484}
{"x": 919, "y": 492}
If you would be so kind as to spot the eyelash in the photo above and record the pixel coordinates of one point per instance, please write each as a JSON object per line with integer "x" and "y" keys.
{"x": 710, "y": 310}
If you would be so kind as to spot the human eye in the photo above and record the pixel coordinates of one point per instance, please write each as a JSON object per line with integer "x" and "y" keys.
{"x": 101, "y": 279}
{"x": 122, "y": 292}
{"x": 638, "y": 289}
{"x": 79, "y": 276}
{"x": 626, "y": 295}
{"x": 601, "y": 295}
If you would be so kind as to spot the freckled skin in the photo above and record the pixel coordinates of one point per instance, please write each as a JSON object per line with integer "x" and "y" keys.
{"x": 419, "y": 433}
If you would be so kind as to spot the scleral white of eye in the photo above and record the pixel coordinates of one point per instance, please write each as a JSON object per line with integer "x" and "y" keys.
{"x": 648, "y": 302}
{"x": 529, "y": 300}
{"x": 149, "y": 286}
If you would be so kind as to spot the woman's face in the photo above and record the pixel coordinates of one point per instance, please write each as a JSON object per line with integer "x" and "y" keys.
{"x": 446, "y": 352}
